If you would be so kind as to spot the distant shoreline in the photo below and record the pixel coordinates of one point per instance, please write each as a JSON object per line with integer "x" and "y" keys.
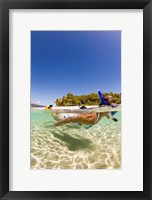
{"x": 33, "y": 105}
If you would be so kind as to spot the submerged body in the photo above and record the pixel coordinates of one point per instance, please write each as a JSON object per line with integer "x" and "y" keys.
{"x": 89, "y": 118}
{"x": 85, "y": 118}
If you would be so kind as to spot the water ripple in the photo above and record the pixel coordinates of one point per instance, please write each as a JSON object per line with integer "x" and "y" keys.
{"x": 66, "y": 147}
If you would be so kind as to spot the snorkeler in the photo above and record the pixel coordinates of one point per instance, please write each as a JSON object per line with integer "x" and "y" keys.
{"x": 110, "y": 101}
{"x": 48, "y": 107}
{"x": 89, "y": 118}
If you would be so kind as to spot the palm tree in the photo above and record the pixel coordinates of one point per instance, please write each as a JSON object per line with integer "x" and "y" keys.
{"x": 70, "y": 95}
{"x": 93, "y": 97}
{"x": 65, "y": 101}
{"x": 58, "y": 102}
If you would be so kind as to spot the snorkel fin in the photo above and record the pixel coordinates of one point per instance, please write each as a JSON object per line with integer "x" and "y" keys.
{"x": 114, "y": 119}
{"x": 110, "y": 114}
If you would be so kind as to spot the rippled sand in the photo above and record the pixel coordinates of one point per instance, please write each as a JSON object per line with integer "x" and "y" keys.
{"x": 70, "y": 147}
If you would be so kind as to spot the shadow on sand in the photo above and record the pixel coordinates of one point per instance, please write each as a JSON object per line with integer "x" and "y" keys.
{"x": 73, "y": 143}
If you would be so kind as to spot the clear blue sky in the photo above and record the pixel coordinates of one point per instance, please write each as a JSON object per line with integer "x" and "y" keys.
{"x": 78, "y": 62}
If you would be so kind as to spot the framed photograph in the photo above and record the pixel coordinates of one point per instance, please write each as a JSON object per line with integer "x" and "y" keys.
{"x": 75, "y": 120}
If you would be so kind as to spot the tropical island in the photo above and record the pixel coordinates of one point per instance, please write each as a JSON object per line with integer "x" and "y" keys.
{"x": 86, "y": 100}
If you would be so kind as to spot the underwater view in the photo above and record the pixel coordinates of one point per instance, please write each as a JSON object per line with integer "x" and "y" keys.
{"x": 72, "y": 146}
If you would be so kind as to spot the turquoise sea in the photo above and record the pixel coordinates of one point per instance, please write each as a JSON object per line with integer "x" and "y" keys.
{"x": 74, "y": 147}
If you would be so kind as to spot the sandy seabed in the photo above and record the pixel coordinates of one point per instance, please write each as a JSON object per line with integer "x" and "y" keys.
{"x": 74, "y": 147}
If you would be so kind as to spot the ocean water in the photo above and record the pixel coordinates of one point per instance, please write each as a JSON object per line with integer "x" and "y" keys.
{"x": 74, "y": 147}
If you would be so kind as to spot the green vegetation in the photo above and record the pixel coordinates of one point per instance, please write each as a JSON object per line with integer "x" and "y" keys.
{"x": 90, "y": 99}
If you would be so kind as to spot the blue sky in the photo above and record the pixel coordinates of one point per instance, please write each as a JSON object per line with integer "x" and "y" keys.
{"x": 79, "y": 62}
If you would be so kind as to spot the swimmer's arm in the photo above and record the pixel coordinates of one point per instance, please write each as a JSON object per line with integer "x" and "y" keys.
{"x": 55, "y": 116}
{"x": 101, "y": 115}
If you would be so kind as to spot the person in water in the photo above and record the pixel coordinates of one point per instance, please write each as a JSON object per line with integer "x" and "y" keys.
{"x": 48, "y": 107}
{"x": 89, "y": 118}
{"x": 110, "y": 101}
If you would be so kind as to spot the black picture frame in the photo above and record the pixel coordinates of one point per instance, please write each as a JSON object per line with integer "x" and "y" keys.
{"x": 5, "y": 5}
